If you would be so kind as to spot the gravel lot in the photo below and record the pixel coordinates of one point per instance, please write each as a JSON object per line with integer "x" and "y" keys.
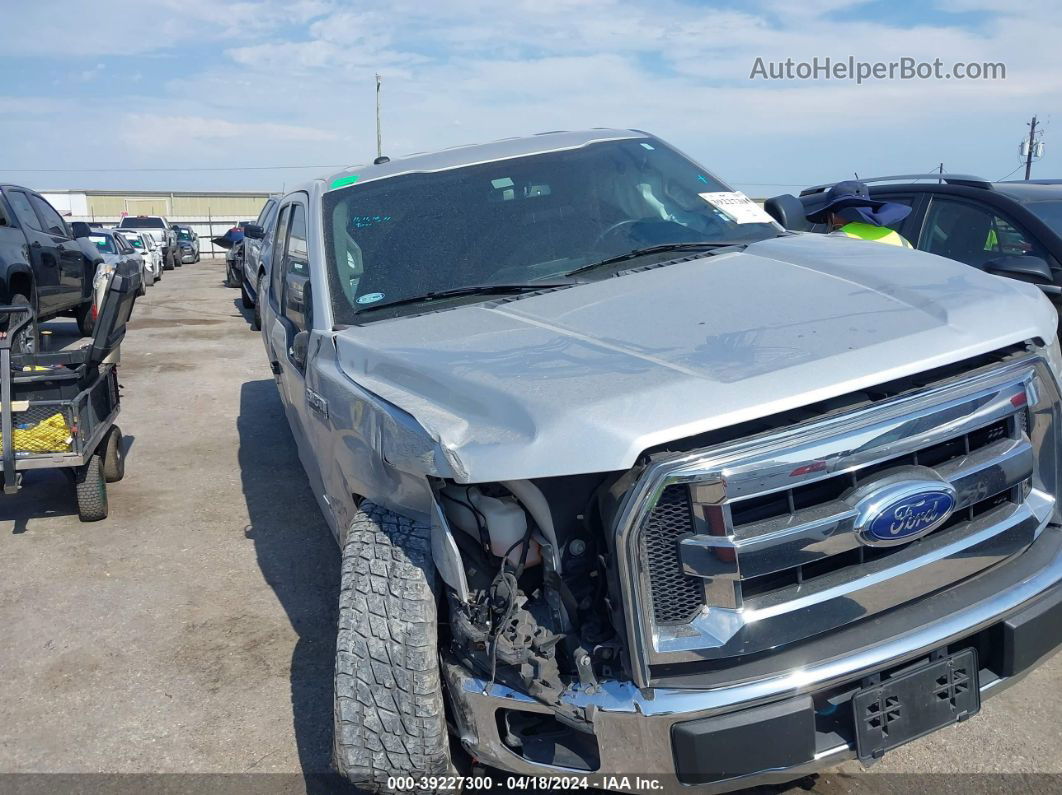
{"x": 193, "y": 631}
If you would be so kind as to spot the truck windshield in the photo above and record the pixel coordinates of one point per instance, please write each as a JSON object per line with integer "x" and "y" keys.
{"x": 142, "y": 223}
{"x": 523, "y": 219}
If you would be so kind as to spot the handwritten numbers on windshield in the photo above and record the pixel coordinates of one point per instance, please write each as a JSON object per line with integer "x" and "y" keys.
{"x": 363, "y": 221}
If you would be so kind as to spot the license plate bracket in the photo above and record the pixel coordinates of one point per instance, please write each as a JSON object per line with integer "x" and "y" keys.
{"x": 915, "y": 703}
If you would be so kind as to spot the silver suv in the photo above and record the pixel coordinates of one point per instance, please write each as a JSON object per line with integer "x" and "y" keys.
{"x": 630, "y": 482}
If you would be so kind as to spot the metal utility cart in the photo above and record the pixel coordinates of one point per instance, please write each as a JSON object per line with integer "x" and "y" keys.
{"x": 57, "y": 410}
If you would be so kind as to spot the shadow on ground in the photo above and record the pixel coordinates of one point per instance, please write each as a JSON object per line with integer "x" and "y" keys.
{"x": 244, "y": 312}
{"x": 300, "y": 561}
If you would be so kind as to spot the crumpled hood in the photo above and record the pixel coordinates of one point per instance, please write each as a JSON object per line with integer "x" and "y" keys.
{"x": 583, "y": 379}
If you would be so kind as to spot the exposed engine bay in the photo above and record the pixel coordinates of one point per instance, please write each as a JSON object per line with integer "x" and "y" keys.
{"x": 538, "y": 613}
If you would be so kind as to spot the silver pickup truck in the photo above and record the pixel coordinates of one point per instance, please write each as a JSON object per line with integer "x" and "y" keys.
{"x": 631, "y": 485}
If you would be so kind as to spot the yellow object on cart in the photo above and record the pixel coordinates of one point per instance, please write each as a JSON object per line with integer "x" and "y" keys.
{"x": 48, "y": 436}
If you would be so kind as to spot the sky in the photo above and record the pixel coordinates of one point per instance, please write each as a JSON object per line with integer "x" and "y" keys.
{"x": 163, "y": 94}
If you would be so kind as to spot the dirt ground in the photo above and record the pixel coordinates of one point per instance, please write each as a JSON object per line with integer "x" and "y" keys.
{"x": 193, "y": 631}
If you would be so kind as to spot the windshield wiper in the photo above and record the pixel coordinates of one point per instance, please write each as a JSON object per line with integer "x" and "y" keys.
{"x": 473, "y": 289}
{"x": 661, "y": 247}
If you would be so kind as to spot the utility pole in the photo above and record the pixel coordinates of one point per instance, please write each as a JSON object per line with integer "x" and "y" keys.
{"x": 379, "y": 136}
{"x": 940, "y": 171}
{"x": 1031, "y": 149}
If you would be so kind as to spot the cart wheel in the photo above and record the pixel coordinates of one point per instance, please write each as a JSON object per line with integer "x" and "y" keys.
{"x": 91, "y": 490}
{"x": 113, "y": 456}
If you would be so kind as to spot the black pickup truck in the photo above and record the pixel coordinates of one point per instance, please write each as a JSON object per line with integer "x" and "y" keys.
{"x": 41, "y": 263}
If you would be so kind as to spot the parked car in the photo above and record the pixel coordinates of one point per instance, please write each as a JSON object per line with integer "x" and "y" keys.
{"x": 187, "y": 243}
{"x": 41, "y": 264}
{"x": 160, "y": 229}
{"x": 152, "y": 254}
{"x": 256, "y": 252}
{"x": 115, "y": 250}
{"x": 1009, "y": 228}
{"x": 232, "y": 241}
{"x": 629, "y": 481}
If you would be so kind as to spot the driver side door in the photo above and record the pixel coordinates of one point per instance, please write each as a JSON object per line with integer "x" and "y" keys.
{"x": 292, "y": 313}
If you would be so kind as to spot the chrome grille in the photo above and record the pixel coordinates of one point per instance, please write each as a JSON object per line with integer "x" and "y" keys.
{"x": 754, "y": 517}
{"x": 675, "y": 596}
{"x": 761, "y": 527}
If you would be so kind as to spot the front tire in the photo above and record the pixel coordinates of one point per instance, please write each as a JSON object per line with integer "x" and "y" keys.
{"x": 29, "y": 339}
{"x": 388, "y": 703}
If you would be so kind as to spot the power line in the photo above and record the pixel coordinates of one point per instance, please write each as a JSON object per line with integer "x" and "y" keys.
{"x": 1020, "y": 166}
{"x": 146, "y": 170}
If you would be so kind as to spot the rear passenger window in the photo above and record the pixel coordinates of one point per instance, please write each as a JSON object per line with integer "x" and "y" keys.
{"x": 297, "y": 307}
{"x": 263, "y": 217}
{"x": 276, "y": 276}
{"x": 23, "y": 211}
{"x": 52, "y": 220}
{"x": 267, "y": 222}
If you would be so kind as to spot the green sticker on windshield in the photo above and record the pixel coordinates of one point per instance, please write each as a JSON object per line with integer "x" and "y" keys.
{"x": 342, "y": 182}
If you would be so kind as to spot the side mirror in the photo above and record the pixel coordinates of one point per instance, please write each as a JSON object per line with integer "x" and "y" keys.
{"x": 299, "y": 347}
{"x": 1024, "y": 268}
{"x": 80, "y": 229}
{"x": 253, "y": 231}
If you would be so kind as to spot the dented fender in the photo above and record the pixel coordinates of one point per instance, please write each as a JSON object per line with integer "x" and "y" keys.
{"x": 373, "y": 449}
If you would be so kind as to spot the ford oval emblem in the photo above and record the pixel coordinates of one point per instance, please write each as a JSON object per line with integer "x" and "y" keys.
{"x": 899, "y": 506}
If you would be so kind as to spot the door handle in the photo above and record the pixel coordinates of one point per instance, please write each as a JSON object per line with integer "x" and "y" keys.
{"x": 61, "y": 247}
{"x": 35, "y": 244}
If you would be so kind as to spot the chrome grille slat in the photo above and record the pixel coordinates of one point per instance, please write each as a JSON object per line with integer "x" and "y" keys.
{"x": 768, "y": 511}
{"x": 1016, "y": 535}
{"x": 880, "y": 441}
{"x": 796, "y": 539}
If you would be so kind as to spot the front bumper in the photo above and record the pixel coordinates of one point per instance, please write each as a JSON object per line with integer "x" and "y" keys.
{"x": 187, "y": 255}
{"x": 1014, "y": 613}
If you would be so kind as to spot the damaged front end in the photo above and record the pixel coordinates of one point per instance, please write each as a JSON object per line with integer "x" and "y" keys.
{"x": 526, "y": 568}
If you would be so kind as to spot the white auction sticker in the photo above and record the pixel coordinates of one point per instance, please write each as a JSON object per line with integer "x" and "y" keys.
{"x": 738, "y": 206}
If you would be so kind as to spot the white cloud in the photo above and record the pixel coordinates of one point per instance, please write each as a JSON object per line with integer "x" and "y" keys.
{"x": 88, "y": 75}
{"x": 297, "y": 82}
{"x": 75, "y": 29}
{"x": 155, "y": 133}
